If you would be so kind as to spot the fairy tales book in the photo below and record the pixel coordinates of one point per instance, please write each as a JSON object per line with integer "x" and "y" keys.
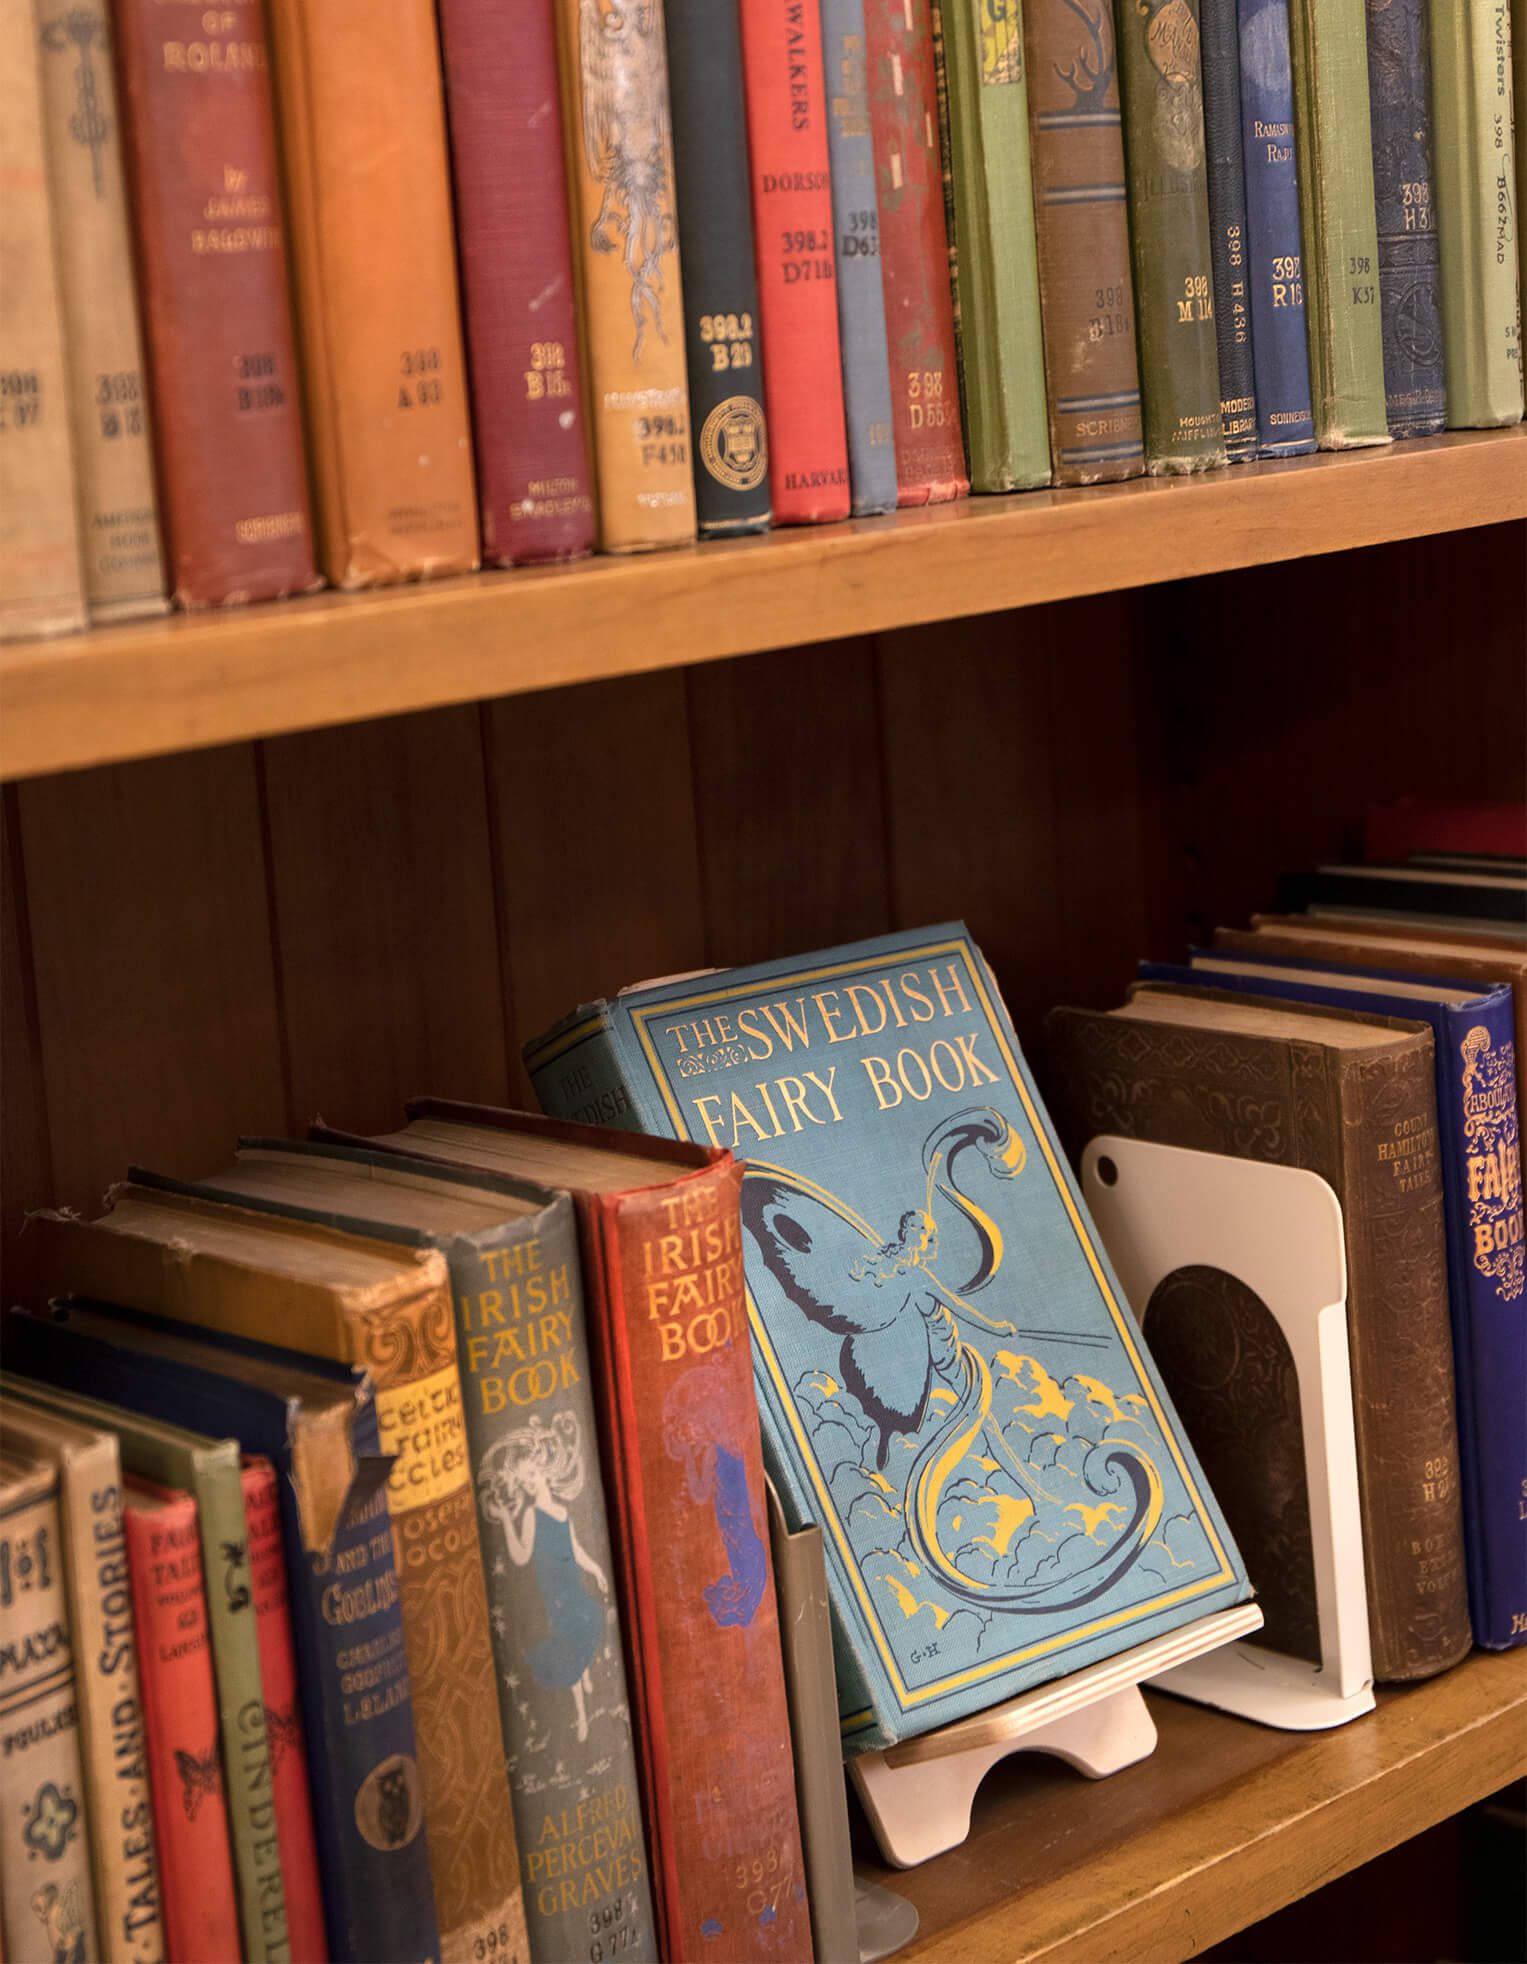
{"x": 950, "y": 1381}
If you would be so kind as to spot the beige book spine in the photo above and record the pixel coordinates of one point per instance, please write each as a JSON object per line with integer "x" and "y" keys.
{"x": 40, "y": 586}
{"x": 103, "y": 350}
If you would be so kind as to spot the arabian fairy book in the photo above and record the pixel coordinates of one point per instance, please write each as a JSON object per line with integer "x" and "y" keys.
{"x": 950, "y": 1382}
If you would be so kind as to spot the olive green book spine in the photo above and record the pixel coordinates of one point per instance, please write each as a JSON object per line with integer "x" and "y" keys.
{"x": 1477, "y": 216}
{"x": 996, "y": 261}
{"x": 1167, "y": 173}
{"x": 1328, "y": 40}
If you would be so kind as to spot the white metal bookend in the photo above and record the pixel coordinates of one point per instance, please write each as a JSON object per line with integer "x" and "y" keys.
{"x": 1278, "y": 1230}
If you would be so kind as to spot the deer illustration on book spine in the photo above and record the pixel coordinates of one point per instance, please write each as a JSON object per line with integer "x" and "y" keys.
{"x": 628, "y": 146}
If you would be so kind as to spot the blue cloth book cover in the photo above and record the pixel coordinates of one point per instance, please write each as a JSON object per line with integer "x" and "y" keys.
{"x": 951, "y": 1384}
{"x": 1482, "y": 1206}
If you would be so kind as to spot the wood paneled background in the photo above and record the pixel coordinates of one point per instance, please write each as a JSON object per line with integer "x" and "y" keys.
{"x": 238, "y": 940}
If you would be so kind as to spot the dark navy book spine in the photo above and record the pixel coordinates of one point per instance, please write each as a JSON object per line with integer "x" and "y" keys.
{"x": 1275, "y": 251}
{"x": 714, "y": 204}
{"x": 1220, "y": 30}
{"x": 352, "y": 1674}
{"x": 1399, "y": 91}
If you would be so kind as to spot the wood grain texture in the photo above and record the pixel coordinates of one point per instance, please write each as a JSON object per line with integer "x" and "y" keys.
{"x": 135, "y": 691}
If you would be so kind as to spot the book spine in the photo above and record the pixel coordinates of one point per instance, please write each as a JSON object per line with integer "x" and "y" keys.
{"x": 45, "y": 1906}
{"x": 1334, "y": 145}
{"x": 118, "y": 507}
{"x": 665, "y": 1273}
{"x": 1476, "y": 219}
{"x": 534, "y": 1445}
{"x": 1285, "y": 420}
{"x": 1169, "y": 234}
{"x": 41, "y": 589}
{"x": 794, "y": 232}
{"x": 626, "y": 258}
{"x": 994, "y": 252}
{"x": 369, "y": 197}
{"x": 410, "y": 1351}
{"x": 180, "y": 1725}
{"x": 914, "y": 253}
{"x": 1399, "y": 73}
{"x": 1228, "y": 229}
{"x": 710, "y": 155}
{"x": 861, "y": 292}
{"x": 283, "y": 1721}
{"x": 520, "y": 303}
{"x": 217, "y": 328}
{"x": 1081, "y": 225}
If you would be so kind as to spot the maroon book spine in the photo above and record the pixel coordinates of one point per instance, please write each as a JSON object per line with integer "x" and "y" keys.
{"x": 201, "y": 152}
{"x": 517, "y": 280}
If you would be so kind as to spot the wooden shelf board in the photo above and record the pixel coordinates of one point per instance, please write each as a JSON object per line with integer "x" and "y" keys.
{"x": 1224, "y": 1824}
{"x": 188, "y": 681}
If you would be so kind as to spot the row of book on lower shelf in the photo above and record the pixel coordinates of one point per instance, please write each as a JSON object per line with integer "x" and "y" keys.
{"x": 391, "y": 1511}
{"x": 771, "y": 261}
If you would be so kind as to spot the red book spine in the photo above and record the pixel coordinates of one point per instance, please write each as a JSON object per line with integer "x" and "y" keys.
{"x": 227, "y": 410}
{"x": 690, "y": 1530}
{"x": 180, "y": 1730}
{"x": 517, "y": 279}
{"x": 797, "y": 260}
{"x": 914, "y": 253}
{"x": 283, "y": 1719}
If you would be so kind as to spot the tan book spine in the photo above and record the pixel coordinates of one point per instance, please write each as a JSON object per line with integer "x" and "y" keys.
{"x": 40, "y": 587}
{"x": 626, "y": 260}
{"x": 109, "y": 411}
{"x": 362, "y": 129}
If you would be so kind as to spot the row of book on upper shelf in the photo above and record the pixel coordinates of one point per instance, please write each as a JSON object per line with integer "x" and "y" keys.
{"x": 713, "y": 289}
{"x": 423, "y": 1475}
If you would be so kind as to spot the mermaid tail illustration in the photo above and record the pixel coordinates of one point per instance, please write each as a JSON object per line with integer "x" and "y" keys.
{"x": 716, "y": 1474}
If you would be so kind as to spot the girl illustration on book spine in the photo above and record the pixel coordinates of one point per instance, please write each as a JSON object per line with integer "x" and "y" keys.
{"x": 526, "y": 1482}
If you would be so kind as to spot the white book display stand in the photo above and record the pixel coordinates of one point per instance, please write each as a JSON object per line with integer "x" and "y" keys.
{"x": 1278, "y": 1230}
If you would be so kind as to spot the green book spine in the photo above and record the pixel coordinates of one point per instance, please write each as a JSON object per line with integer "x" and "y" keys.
{"x": 1334, "y": 144}
{"x": 1476, "y": 217}
{"x": 1167, "y": 174}
{"x": 996, "y": 262}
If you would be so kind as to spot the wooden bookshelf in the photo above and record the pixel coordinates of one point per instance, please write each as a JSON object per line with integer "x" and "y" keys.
{"x": 188, "y": 681}
{"x": 1224, "y": 1824}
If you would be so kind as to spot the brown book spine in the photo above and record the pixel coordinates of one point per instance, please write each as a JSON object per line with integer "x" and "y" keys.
{"x": 201, "y": 152}
{"x": 374, "y": 252}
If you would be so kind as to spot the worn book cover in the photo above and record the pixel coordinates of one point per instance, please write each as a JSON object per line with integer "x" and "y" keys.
{"x": 1229, "y": 242}
{"x": 951, "y": 1384}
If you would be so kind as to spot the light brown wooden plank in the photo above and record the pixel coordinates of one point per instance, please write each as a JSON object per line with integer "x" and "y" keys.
{"x": 188, "y": 681}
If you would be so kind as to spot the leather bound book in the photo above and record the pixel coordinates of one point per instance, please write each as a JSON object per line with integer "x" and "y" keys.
{"x": 1285, "y": 421}
{"x": 170, "y": 1250}
{"x": 212, "y": 278}
{"x": 114, "y": 464}
{"x": 1399, "y": 78}
{"x": 914, "y": 253}
{"x": 1474, "y": 158}
{"x": 1352, "y": 1099}
{"x": 794, "y": 235}
{"x": 534, "y": 473}
{"x": 1086, "y": 285}
{"x": 710, "y": 155}
{"x": 619, "y": 147}
{"x": 373, "y": 251}
{"x": 1160, "y": 66}
{"x": 41, "y": 590}
{"x": 1227, "y": 227}
{"x": 1333, "y": 141}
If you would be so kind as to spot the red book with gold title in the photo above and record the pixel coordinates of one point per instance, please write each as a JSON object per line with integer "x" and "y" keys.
{"x": 914, "y": 253}
{"x": 797, "y": 260}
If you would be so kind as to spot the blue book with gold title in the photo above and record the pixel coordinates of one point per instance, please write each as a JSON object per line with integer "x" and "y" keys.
{"x": 950, "y": 1382}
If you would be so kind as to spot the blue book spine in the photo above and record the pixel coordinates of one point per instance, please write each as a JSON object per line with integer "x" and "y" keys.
{"x": 1275, "y": 249}
{"x": 1221, "y": 54}
{"x": 1399, "y": 90}
{"x": 861, "y": 295}
{"x": 1482, "y": 1204}
{"x": 347, "y": 1627}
